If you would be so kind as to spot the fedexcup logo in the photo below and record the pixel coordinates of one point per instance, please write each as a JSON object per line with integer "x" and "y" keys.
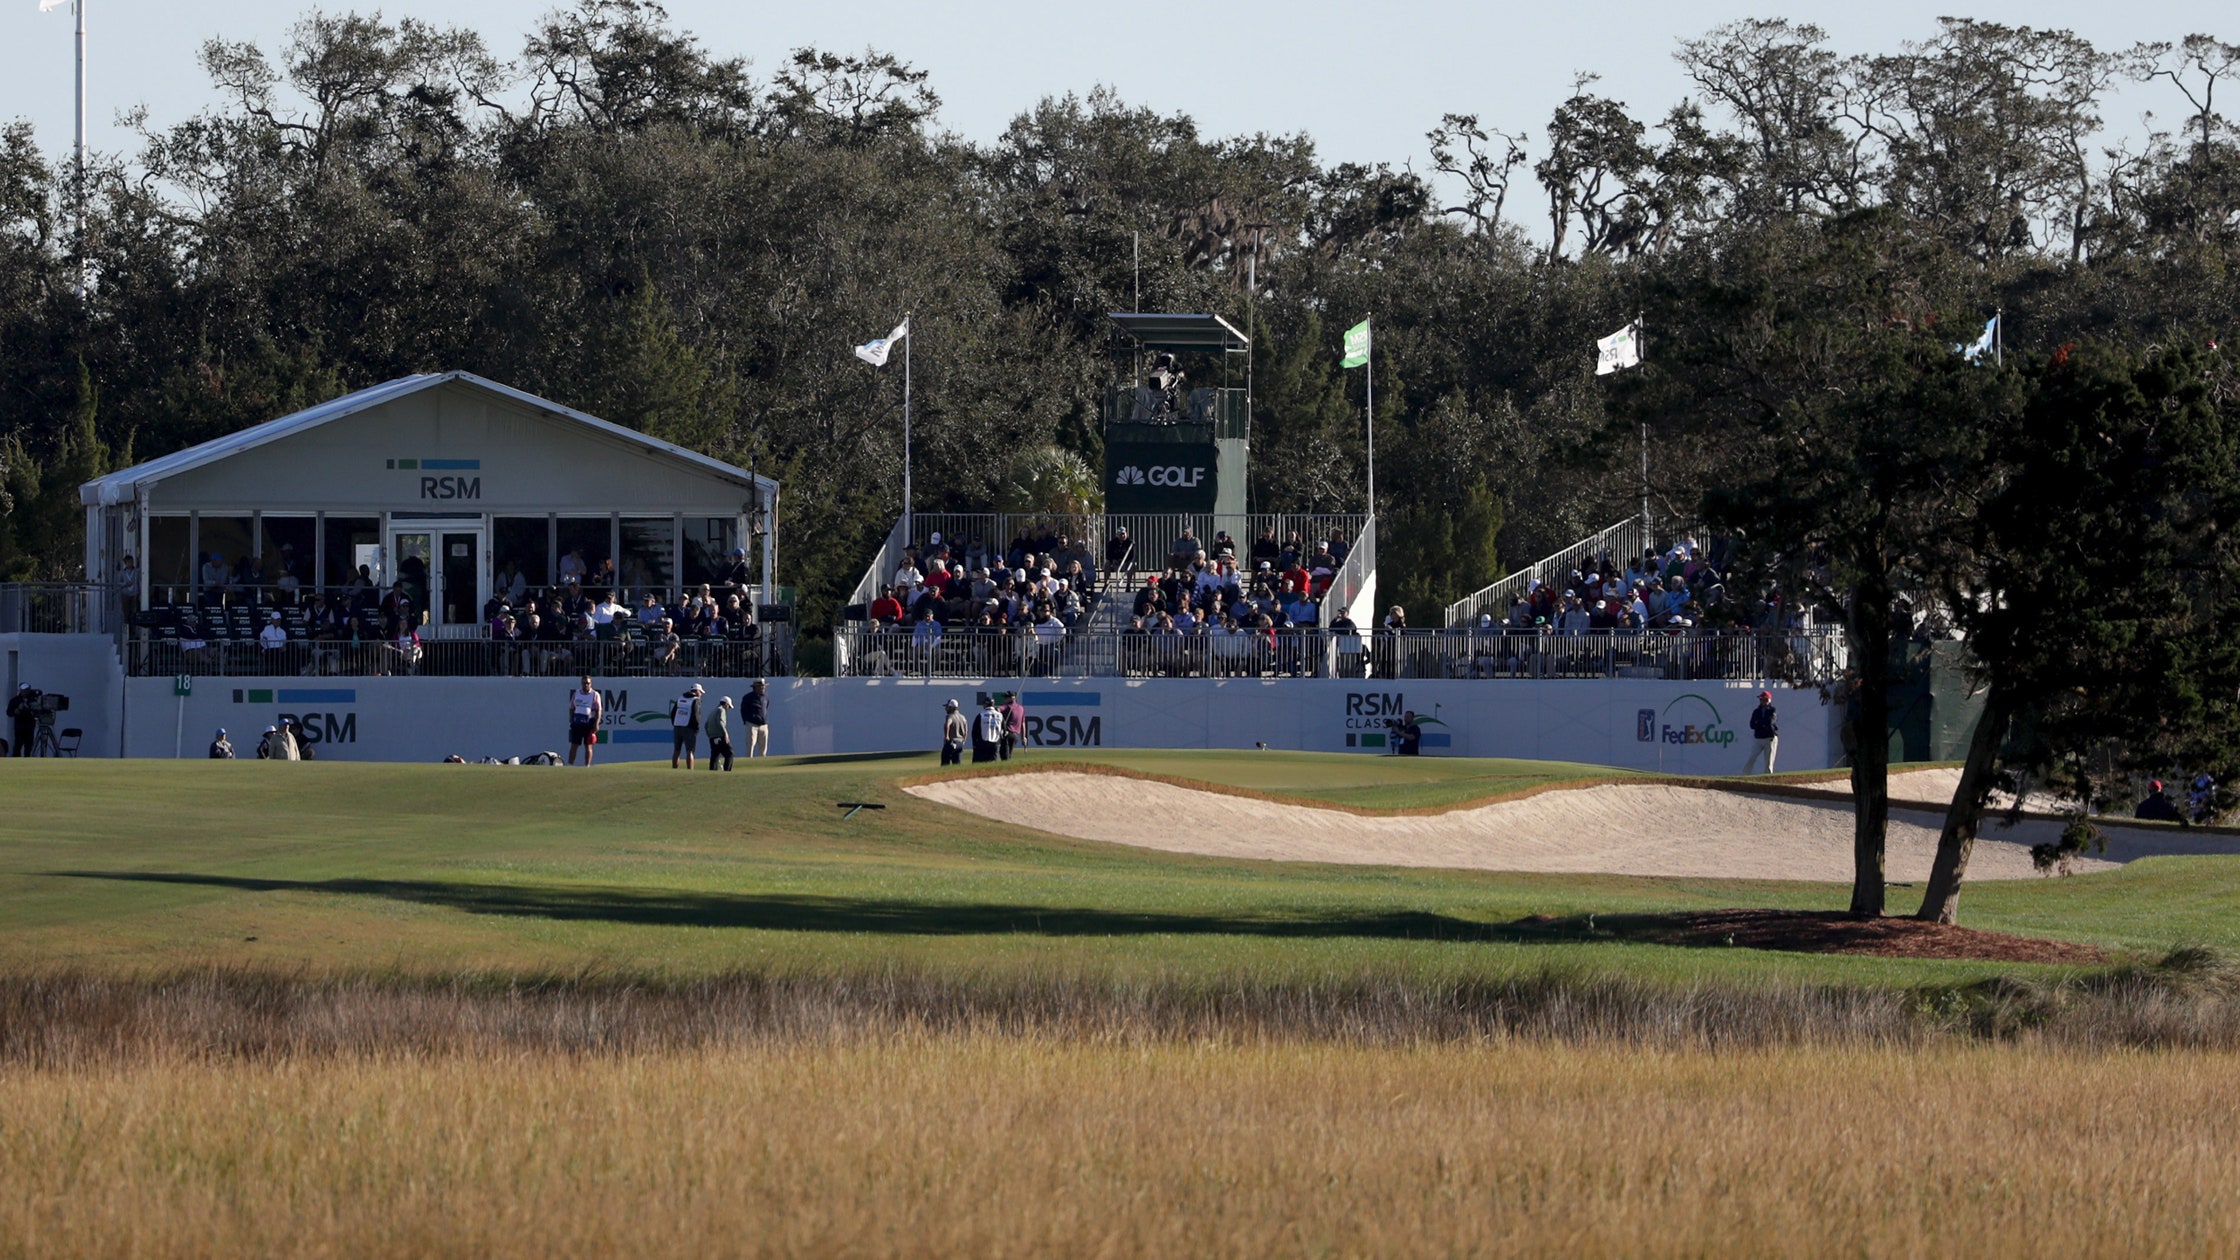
{"x": 1694, "y": 710}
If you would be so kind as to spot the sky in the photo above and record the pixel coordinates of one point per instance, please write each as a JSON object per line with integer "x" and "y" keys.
{"x": 1366, "y": 81}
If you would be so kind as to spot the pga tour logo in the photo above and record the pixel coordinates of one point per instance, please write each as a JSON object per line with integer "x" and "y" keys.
{"x": 1160, "y": 475}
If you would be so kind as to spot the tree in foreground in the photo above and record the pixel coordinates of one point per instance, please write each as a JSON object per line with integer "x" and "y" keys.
{"x": 2095, "y": 581}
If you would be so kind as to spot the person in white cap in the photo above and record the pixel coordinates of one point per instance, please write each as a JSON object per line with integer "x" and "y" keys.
{"x": 955, "y": 731}
{"x": 684, "y": 726}
{"x": 719, "y": 735}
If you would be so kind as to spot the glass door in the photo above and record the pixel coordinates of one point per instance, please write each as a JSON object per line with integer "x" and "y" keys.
{"x": 458, "y": 594}
{"x": 442, "y": 570}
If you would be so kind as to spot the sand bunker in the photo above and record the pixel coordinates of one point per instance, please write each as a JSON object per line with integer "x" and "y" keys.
{"x": 1610, "y": 830}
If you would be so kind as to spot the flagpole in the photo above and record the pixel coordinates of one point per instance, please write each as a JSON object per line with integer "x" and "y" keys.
{"x": 1640, "y": 348}
{"x": 1999, "y": 336}
{"x": 909, "y": 523}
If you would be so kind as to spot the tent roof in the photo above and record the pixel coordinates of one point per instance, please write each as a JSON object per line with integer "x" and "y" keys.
{"x": 1181, "y": 332}
{"x": 124, "y": 485}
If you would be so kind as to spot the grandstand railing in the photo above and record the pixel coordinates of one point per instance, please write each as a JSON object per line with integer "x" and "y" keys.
{"x": 765, "y": 655}
{"x": 1809, "y": 656}
{"x": 60, "y": 608}
{"x": 1152, "y": 536}
{"x": 1353, "y": 588}
{"x": 1624, "y": 541}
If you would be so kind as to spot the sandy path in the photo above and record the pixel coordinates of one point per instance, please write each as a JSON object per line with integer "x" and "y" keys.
{"x": 1654, "y": 830}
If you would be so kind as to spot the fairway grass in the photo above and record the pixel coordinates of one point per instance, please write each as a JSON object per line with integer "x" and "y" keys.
{"x": 334, "y": 868}
{"x": 1007, "y": 1146}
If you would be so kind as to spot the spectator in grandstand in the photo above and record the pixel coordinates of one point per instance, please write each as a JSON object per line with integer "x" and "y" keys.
{"x": 887, "y": 610}
{"x": 684, "y": 726}
{"x": 274, "y": 637}
{"x": 1266, "y": 550}
{"x": 926, "y": 635}
{"x": 1299, "y": 607}
{"x": 1765, "y": 734}
{"x": 736, "y": 574}
{"x": 213, "y": 572}
{"x": 754, "y": 714}
{"x": 650, "y": 611}
{"x": 2201, "y": 799}
{"x": 1014, "y": 723}
{"x": 1184, "y": 551}
{"x": 572, "y": 568}
{"x": 608, "y": 610}
{"x": 1118, "y": 550}
{"x": 221, "y": 748}
{"x": 403, "y": 645}
{"x": 718, "y": 727}
{"x": 664, "y": 645}
{"x": 1339, "y": 547}
{"x": 586, "y": 710}
{"x": 987, "y": 731}
{"x": 955, "y": 731}
{"x": 908, "y": 574}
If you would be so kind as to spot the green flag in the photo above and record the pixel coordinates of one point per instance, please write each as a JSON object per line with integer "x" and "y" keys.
{"x": 1357, "y": 345}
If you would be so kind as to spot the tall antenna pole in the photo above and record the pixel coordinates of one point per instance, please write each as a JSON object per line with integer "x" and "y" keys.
{"x": 1136, "y": 239}
{"x": 80, "y": 7}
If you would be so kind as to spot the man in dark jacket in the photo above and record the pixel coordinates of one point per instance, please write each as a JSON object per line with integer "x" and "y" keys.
{"x": 1765, "y": 733}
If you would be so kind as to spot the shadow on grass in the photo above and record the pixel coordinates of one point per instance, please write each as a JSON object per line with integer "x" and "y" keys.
{"x": 796, "y": 913}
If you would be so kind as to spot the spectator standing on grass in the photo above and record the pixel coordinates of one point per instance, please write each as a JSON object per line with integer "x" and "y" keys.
{"x": 221, "y": 748}
{"x": 24, "y": 718}
{"x": 1407, "y": 735}
{"x": 987, "y": 731}
{"x": 1014, "y": 723}
{"x": 586, "y": 709}
{"x": 754, "y": 711}
{"x": 1765, "y": 734}
{"x": 955, "y": 731}
{"x": 719, "y": 735}
{"x": 684, "y": 726}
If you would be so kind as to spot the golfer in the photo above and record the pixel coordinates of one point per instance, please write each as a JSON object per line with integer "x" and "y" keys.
{"x": 586, "y": 709}
{"x": 955, "y": 731}
{"x": 684, "y": 725}
{"x": 718, "y": 727}
{"x": 1765, "y": 732}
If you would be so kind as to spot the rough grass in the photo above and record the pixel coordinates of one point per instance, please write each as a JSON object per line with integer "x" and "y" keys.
{"x": 938, "y": 1143}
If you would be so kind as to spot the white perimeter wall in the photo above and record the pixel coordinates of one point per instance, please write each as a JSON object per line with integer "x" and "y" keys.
{"x": 1681, "y": 728}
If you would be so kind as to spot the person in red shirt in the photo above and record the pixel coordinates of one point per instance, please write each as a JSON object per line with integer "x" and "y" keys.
{"x": 888, "y": 607}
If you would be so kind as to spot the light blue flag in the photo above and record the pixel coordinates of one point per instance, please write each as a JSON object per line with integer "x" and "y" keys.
{"x": 1982, "y": 345}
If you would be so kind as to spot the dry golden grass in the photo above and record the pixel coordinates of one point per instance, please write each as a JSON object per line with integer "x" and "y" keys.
{"x": 960, "y": 1143}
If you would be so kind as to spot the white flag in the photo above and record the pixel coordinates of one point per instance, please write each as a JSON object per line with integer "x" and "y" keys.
{"x": 49, "y": 6}
{"x": 875, "y": 352}
{"x": 1621, "y": 349}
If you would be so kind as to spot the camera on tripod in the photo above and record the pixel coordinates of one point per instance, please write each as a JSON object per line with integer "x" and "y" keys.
{"x": 45, "y": 704}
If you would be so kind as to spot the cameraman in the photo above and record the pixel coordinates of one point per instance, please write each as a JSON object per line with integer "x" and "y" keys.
{"x": 23, "y": 714}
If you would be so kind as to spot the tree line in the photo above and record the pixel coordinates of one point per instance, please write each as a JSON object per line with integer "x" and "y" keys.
{"x": 631, "y": 223}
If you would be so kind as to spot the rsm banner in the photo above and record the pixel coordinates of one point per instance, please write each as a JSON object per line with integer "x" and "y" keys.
{"x": 1676, "y": 727}
{"x": 1160, "y": 477}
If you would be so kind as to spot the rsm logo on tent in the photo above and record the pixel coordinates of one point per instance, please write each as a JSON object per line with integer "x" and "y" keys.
{"x": 1699, "y": 723}
{"x": 1062, "y": 730}
{"x": 324, "y": 725}
{"x": 1160, "y": 475}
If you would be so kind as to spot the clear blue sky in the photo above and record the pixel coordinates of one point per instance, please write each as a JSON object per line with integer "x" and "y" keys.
{"x": 1365, "y": 80}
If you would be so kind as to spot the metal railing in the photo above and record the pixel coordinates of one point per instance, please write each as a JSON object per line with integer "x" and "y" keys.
{"x": 1799, "y": 657}
{"x": 1152, "y": 537}
{"x": 1621, "y": 543}
{"x": 60, "y": 608}
{"x": 765, "y": 655}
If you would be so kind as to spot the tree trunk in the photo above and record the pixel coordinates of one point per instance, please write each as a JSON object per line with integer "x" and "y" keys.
{"x": 1870, "y": 764}
{"x": 1964, "y": 817}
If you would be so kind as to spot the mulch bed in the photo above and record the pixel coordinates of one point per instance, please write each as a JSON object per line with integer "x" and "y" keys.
{"x": 1814, "y": 932}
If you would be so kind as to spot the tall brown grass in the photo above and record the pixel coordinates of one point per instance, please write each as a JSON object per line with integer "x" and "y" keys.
{"x": 953, "y": 1143}
{"x": 61, "y": 1020}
